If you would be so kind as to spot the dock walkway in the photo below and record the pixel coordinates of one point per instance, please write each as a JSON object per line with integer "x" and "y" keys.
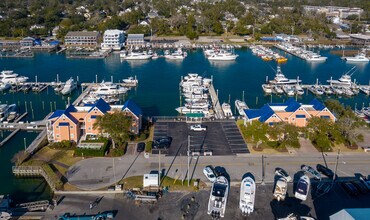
{"x": 10, "y": 136}
{"x": 33, "y": 147}
{"x": 216, "y": 103}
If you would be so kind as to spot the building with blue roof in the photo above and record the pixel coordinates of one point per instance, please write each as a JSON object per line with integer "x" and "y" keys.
{"x": 290, "y": 111}
{"x": 77, "y": 122}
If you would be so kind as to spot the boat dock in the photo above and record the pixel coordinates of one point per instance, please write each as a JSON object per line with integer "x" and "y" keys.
{"x": 32, "y": 206}
{"x": 10, "y": 136}
{"x": 215, "y": 102}
{"x": 33, "y": 147}
{"x": 33, "y": 171}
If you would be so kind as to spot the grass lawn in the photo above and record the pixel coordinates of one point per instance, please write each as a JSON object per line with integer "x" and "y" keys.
{"x": 137, "y": 182}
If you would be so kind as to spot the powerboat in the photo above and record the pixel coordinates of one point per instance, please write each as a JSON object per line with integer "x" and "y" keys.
{"x": 247, "y": 195}
{"x": 289, "y": 90}
{"x": 241, "y": 106}
{"x": 8, "y": 76}
{"x": 361, "y": 57}
{"x": 68, "y": 87}
{"x": 130, "y": 80}
{"x": 109, "y": 88}
{"x": 280, "y": 190}
{"x": 5, "y": 86}
{"x": 186, "y": 110}
{"x": 177, "y": 55}
{"x": 299, "y": 90}
{"x": 303, "y": 188}
{"x": 280, "y": 78}
{"x": 218, "y": 197}
{"x": 226, "y": 108}
{"x": 344, "y": 80}
{"x": 313, "y": 57}
{"x": 5, "y": 111}
{"x": 135, "y": 55}
{"x": 267, "y": 88}
{"x": 222, "y": 56}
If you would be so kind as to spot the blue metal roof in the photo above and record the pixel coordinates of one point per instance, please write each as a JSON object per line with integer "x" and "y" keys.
{"x": 292, "y": 105}
{"x": 267, "y": 112}
{"x": 56, "y": 114}
{"x": 252, "y": 113}
{"x": 133, "y": 107}
{"x": 317, "y": 105}
{"x": 101, "y": 105}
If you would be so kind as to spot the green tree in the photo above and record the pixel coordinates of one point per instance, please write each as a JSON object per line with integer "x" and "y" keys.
{"x": 257, "y": 131}
{"x": 116, "y": 124}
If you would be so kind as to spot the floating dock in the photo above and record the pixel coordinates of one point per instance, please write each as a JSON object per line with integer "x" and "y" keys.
{"x": 10, "y": 136}
{"x": 215, "y": 102}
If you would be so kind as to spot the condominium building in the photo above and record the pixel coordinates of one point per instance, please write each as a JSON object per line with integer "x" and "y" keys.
{"x": 113, "y": 39}
{"x": 77, "y": 122}
{"x": 82, "y": 39}
{"x": 290, "y": 112}
{"x": 135, "y": 40}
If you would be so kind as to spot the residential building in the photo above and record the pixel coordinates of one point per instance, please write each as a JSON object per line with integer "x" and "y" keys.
{"x": 82, "y": 39}
{"x": 77, "y": 122}
{"x": 113, "y": 39}
{"x": 290, "y": 112}
{"x": 135, "y": 40}
{"x": 9, "y": 44}
{"x": 27, "y": 42}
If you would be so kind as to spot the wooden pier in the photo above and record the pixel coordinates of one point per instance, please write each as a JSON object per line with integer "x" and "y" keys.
{"x": 32, "y": 206}
{"x": 33, "y": 171}
{"x": 10, "y": 136}
{"x": 36, "y": 144}
{"x": 20, "y": 117}
{"x": 215, "y": 102}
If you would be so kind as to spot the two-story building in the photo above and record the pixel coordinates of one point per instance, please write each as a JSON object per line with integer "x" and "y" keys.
{"x": 290, "y": 112}
{"x": 134, "y": 40}
{"x": 77, "y": 122}
{"x": 113, "y": 39}
{"x": 82, "y": 39}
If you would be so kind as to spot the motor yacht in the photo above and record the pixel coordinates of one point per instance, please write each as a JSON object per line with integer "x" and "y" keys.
{"x": 247, "y": 195}
{"x": 361, "y": 57}
{"x": 109, "y": 88}
{"x": 280, "y": 78}
{"x": 289, "y": 90}
{"x": 8, "y": 76}
{"x": 135, "y": 55}
{"x": 222, "y": 55}
{"x": 177, "y": 55}
{"x": 241, "y": 106}
{"x": 218, "y": 197}
{"x": 267, "y": 88}
{"x": 226, "y": 108}
{"x": 299, "y": 90}
{"x": 68, "y": 87}
{"x": 130, "y": 80}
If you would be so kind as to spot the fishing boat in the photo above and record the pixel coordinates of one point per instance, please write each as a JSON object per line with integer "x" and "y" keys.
{"x": 241, "y": 106}
{"x": 280, "y": 78}
{"x": 177, "y": 55}
{"x": 289, "y": 90}
{"x": 8, "y": 76}
{"x": 247, "y": 195}
{"x": 316, "y": 90}
{"x": 360, "y": 57}
{"x": 344, "y": 80}
{"x": 68, "y": 87}
{"x": 130, "y": 80}
{"x": 280, "y": 190}
{"x": 218, "y": 197}
{"x": 278, "y": 90}
{"x": 299, "y": 90}
{"x": 303, "y": 188}
{"x": 226, "y": 108}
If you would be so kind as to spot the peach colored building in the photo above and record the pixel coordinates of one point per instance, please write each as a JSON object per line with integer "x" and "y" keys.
{"x": 290, "y": 112}
{"x": 77, "y": 122}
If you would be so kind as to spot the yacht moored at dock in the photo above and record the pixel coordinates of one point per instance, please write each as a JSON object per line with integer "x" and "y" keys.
{"x": 8, "y": 76}
{"x": 226, "y": 108}
{"x": 218, "y": 197}
{"x": 360, "y": 57}
{"x": 69, "y": 87}
{"x": 247, "y": 195}
{"x": 241, "y": 106}
{"x": 135, "y": 55}
{"x": 109, "y": 88}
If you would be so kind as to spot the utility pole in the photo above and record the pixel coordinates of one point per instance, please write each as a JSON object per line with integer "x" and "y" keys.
{"x": 263, "y": 170}
{"x": 159, "y": 167}
{"x": 188, "y": 161}
{"x": 336, "y": 167}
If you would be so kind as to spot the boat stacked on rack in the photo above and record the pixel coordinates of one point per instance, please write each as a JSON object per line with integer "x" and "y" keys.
{"x": 195, "y": 90}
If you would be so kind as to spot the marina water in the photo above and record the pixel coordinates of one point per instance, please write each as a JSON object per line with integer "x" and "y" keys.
{"x": 158, "y": 89}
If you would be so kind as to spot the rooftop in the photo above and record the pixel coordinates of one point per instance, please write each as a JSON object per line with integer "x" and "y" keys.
{"x": 82, "y": 33}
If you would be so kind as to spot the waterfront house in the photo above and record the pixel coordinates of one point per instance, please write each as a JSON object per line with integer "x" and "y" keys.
{"x": 290, "y": 112}
{"x": 82, "y": 39}
{"x": 77, "y": 122}
{"x": 113, "y": 39}
{"x": 134, "y": 40}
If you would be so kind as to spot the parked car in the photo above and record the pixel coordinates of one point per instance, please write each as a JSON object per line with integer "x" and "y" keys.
{"x": 208, "y": 172}
{"x": 325, "y": 171}
{"x": 350, "y": 189}
{"x": 162, "y": 142}
{"x": 283, "y": 173}
{"x": 366, "y": 148}
{"x": 360, "y": 186}
{"x": 198, "y": 128}
{"x": 140, "y": 147}
{"x": 311, "y": 171}
{"x": 220, "y": 171}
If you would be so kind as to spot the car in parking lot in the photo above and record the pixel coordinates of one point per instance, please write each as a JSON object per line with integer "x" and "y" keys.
{"x": 325, "y": 171}
{"x": 366, "y": 148}
{"x": 162, "y": 142}
{"x": 198, "y": 128}
{"x": 208, "y": 172}
{"x": 350, "y": 189}
{"x": 140, "y": 147}
{"x": 311, "y": 171}
{"x": 220, "y": 171}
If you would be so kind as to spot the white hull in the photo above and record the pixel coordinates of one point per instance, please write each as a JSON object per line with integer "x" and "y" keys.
{"x": 218, "y": 197}
{"x": 303, "y": 188}
{"x": 280, "y": 189}
{"x": 227, "y": 110}
{"x": 354, "y": 60}
{"x": 241, "y": 106}
{"x": 143, "y": 57}
{"x": 15, "y": 80}
{"x": 247, "y": 195}
{"x": 222, "y": 58}
{"x": 171, "y": 57}
{"x": 318, "y": 59}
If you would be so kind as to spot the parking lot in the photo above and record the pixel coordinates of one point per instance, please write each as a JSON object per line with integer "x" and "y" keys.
{"x": 220, "y": 138}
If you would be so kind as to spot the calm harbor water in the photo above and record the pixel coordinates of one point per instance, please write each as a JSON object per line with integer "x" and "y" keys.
{"x": 158, "y": 89}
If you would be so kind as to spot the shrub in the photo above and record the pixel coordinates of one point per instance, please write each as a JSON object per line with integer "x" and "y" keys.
{"x": 148, "y": 146}
{"x": 92, "y": 152}
{"x": 63, "y": 145}
{"x": 119, "y": 151}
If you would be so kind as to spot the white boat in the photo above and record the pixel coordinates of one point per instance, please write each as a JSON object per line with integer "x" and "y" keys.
{"x": 361, "y": 57}
{"x": 293, "y": 216}
{"x": 5, "y": 216}
{"x": 186, "y": 110}
{"x": 278, "y": 90}
{"x": 267, "y": 88}
{"x": 344, "y": 80}
{"x": 5, "y": 86}
{"x": 130, "y": 80}
{"x": 280, "y": 78}
{"x": 109, "y": 88}
{"x": 280, "y": 189}
{"x": 247, "y": 195}
{"x": 8, "y": 76}
{"x": 90, "y": 100}
{"x": 241, "y": 106}
{"x": 68, "y": 87}
{"x": 5, "y": 110}
{"x": 299, "y": 90}
{"x": 218, "y": 197}
{"x": 135, "y": 55}
{"x": 226, "y": 108}
{"x": 303, "y": 188}
{"x": 177, "y": 55}
{"x": 315, "y": 58}
{"x": 222, "y": 56}
{"x": 289, "y": 90}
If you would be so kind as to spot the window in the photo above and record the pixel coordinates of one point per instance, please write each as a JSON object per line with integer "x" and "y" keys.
{"x": 57, "y": 127}
{"x": 89, "y": 119}
{"x": 324, "y": 116}
{"x": 71, "y": 127}
{"x": 72, "y": 136}
{"x": 300, "y": 116}
{"x": 57, "y": 135}
{"x": 89, "y": 128}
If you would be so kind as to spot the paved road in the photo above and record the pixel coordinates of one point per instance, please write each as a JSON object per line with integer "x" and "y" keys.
{"x": 97, "y": 173}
